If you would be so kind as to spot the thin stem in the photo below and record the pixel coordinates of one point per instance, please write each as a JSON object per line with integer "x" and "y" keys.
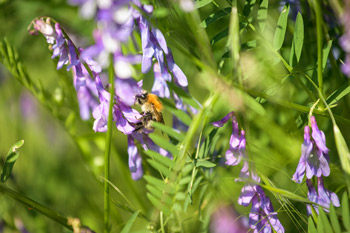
{"x": 319, "y": 45}
{"x": 36, "y": 206}
{"x": 108, "y": 148}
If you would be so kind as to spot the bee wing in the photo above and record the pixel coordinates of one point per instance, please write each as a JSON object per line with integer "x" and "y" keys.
{"x": 158, "y": 115}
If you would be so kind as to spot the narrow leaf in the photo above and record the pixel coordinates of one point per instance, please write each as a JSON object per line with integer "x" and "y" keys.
{"x": 161, "y": 168}
{"x": 164, "y": 143}
{"x": 204, "y": 163}
{"x": 155, "y": 201}
{"x": 320, "y": 228}
{"x": 291, "y": 55}
{"x": 298, "y": 37}
{"x": 338, "y": 94}
{"x": 201, "y": 3}
{"x": 334, "y": 219}
{"x": 160, "y": 158}
{"x": 325, "y": 53}
{"x": 262, "y": 13}
{"x": 281, "y": 28}
{"x": 325, "y": 223}
{"x": 11, "y": 158}
{"x": 169, "y": 131}
{"x": 343, "y": 150}
{"x": 345, "y": 210}
{"x": 185, "y": 96}
{"x": 311, "y": 226}
{"x": 215, "y": 17}
{"x": 131, "y": 221}
{"x": 219, "y": 36}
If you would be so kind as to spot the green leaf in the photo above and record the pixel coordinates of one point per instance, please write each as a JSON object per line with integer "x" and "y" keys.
{"x": 201, "y": 3}
{"x": 208, "y": 143}
{"x": 343, "y": 150}
{"x": 215, "y": 17}
{"x": 345, "y": 210}
{"x": 334, "y": 219}
{"x": 262, "y": 13}
{"x": 311, "y": 226}
{"x": 281, "y": 28}
{"x": 155, "y": 182}
{"x": 160, "y": 12}
{"x": 325, "y": 53}
{"x": 161, "y": 168}
{"x": 164, "y": 143}
{"x": 204, "y": 163}
{"x": 155, "y": 201}
{"x": 11, "y": 158}
{"x": 160, "y": 158}
{"x": 338, "y": 94}
{"x": 320, "y": 228}
{"x": 219, "y": 36}
{"x": 291, "y": 55}
{"x": 169, "y": 131}
{"x": 285, "y": 193}
{"x": 163, "y": 197}
{"x": 325, "y": 223}
{"x": 298, "y": 37}
{"x": 131, "y": 221}
{"x": 187, "y": 98}
{"x": 183, "y": 116}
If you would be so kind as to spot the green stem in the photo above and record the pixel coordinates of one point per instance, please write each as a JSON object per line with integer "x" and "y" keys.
{"x": 319, "y": 44}
{"x": 108, "y": 148}
{"x": 36, "y": 206}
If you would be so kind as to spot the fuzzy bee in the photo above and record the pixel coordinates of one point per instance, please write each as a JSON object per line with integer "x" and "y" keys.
{"x": 151, "y": 110}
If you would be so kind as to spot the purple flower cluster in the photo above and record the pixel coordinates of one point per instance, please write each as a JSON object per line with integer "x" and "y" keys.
{"x": 314, "y": 161}
{"x": 314, "y": 154}
{"x": 344, "y": 40}
{"x": 116, "y": 21}
{"x": 322, "y": 197}
{"x": 262, "y": 217}
{"x": 67, "y": 53}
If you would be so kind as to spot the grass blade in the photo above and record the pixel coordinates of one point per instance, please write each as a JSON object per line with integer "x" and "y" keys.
{"x": 130, "y": 222}
{"x": 345, "y": 210}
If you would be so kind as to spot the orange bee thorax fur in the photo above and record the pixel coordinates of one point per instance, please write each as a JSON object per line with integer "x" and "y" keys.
{"x": 153, "y": 99}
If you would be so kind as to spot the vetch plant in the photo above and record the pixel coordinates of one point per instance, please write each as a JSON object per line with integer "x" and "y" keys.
{"x": 138, "y": 112}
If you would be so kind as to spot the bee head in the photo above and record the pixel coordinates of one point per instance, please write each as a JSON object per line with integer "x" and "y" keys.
{"x": 141, "y": 98}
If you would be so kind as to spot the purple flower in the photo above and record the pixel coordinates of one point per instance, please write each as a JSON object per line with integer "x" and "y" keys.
{"x": 306, "y": 149}
{"x": 221, "y": 122}
{"x": 237, "y": 148}
{"x": 314, "y": 158}
{"x": 44, "y": 27}
{"x": 323, "y": 197}
{"x": 87, "y": 98}
{"x": 262, "y": 216}
{"x": 225, "y": 219}
{"x": 344, "y": 40}
{"x": 135, "y": 160}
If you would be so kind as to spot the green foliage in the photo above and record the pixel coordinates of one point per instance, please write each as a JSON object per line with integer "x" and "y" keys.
{"x": 298, "y": 38}
{"x": 281, "y": 28}
{"x": 235, "y": 55}
{"x": 10, "y": 160}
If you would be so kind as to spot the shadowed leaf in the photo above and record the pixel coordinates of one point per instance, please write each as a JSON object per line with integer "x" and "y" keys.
{"x": 11, "y": 158}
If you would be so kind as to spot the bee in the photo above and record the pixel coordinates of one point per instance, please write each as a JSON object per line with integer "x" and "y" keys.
{"x": 151, "y": 110}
